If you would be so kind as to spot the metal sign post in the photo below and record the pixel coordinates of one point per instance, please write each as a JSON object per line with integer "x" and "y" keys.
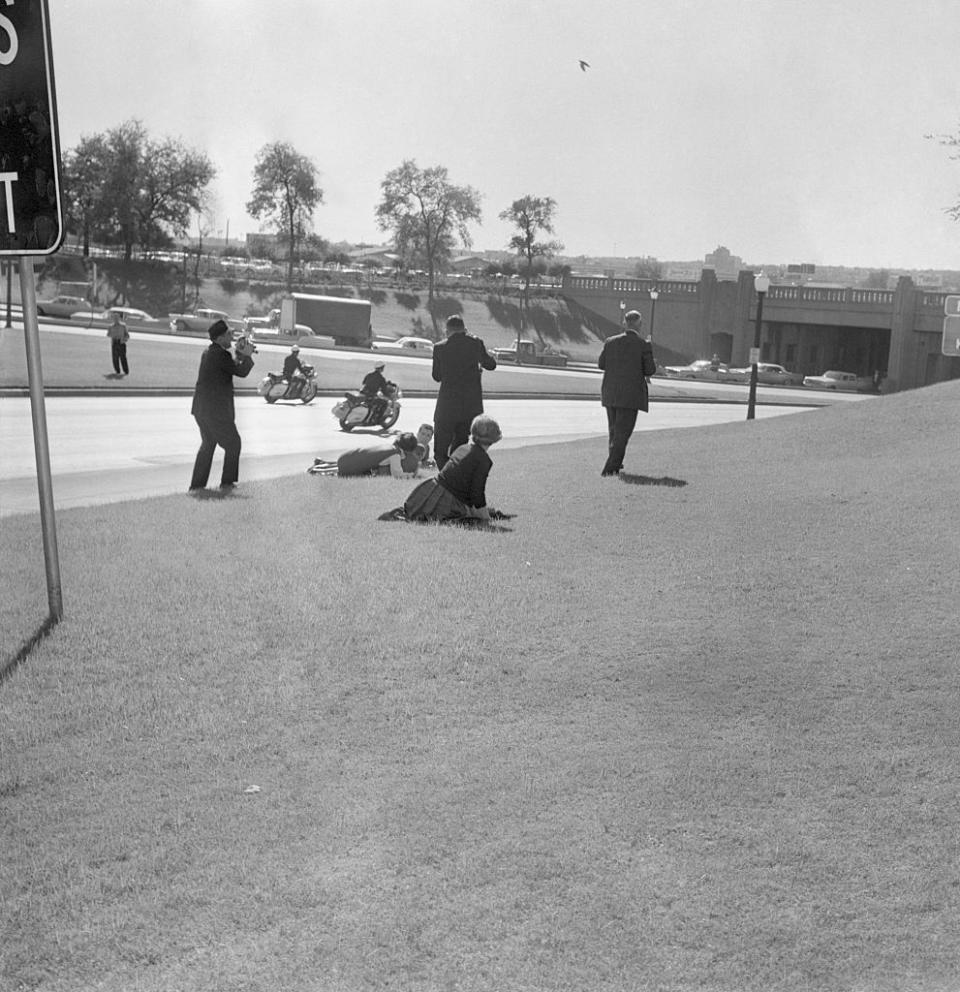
{"x": 31, "y": 334}
{"x": 31, "y": 217}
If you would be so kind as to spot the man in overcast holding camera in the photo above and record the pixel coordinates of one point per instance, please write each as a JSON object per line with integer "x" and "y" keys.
{"x": 213, "y": 407}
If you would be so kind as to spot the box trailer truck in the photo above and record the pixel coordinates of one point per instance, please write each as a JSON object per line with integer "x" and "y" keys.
{"x": 344, "y": 319}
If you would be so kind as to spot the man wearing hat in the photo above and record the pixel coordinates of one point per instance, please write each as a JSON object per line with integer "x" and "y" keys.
{"x": 373, "y": 383}
{"x": 213, "y": 407}
{"x": 627, "y": 362}
{"x": 456, "y": 366}
{"x": 291, "y": 366}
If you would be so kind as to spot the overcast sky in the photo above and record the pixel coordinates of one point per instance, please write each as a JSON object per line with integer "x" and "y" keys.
{"x": 786, "y": 130}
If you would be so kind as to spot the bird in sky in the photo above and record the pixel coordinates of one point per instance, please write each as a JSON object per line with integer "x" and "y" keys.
{"x": 584, "y": 65}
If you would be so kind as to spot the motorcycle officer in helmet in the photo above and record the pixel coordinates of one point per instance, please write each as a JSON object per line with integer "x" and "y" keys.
{"x": 373, "y": 384}
{"x": 291, "y": 365}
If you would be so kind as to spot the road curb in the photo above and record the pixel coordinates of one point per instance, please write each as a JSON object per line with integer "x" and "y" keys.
{"x": 127, "y": 393}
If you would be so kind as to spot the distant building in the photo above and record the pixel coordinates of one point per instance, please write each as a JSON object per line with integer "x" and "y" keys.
{"x": 382, "y": 257}
{"x": 725, "y": 265}
{"x": 470, "y": 264}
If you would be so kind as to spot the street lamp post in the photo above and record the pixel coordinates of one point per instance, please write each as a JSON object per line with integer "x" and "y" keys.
{"x": 654, "y": 294}
{"x": 761, "y": 284}
{"x": 623, "y": 310}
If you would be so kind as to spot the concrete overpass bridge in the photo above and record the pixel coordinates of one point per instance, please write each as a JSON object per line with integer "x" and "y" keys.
{"x": 808, "y": 329}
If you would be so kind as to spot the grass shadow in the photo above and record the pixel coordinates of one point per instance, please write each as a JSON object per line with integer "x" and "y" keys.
{"x": 649, "y": 480}
{"x": 396, "y": 515}
{"x": 208, "y": 494}
{"x": 7, "y": 668}
{"x": 374, "y": 431}
{"x": 409, "y": 301}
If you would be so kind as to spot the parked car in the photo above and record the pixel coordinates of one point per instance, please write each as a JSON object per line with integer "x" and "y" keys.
{"x": 531, "y": 353}
{"x": 253, "y": 324}
{"x": 833, "y": 379}
{"x": 768, "y": 374}
{"x": 200, "y": 320}
{"x": 127, "y": 313}
{"x": 421, "y": 346}
{"x": 269, "y": 326}
{"x": 703, "y": 368}
{"x": 62, "y": 306}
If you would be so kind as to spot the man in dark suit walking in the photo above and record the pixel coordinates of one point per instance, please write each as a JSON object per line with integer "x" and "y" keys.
{"x": 456, "y": 366}
{"x": 213, "y": 407}
{"x": 627, "y": 362}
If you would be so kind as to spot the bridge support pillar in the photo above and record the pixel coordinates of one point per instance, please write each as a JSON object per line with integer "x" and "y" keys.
{"x": 901, "y": 365}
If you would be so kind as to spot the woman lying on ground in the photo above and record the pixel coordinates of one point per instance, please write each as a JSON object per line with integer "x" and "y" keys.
{"x": 400, "y": 459}
{"x": 459, "y": 491}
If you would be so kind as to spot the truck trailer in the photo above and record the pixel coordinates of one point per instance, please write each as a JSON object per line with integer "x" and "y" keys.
{"x": 344, "y": 319}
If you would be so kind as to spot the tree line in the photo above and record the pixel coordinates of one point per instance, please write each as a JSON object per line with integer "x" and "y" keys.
{"x": 125, "y": 188}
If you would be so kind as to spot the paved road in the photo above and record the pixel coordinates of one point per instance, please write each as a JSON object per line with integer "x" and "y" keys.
{"x": 344, "y": 368}
{"x": 109, "y": 449}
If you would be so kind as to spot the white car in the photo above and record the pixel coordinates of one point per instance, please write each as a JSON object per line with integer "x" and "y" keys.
{"x": 768, "y": 374}
{"x": 421, "y": 346}
{"x": 126, "y": 314}
{"x": 253, "y": 324}
{"x": 703, "y": 368}
{"x": 840, "y": 380}
{"x": 62, "y": 306}
{"x": 200, "y": 320}
{"x": 267, "y": 328}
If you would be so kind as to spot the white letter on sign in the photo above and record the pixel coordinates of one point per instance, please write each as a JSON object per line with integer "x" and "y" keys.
{"x": 8, "y": 179}
{"x": 7, "y": 25}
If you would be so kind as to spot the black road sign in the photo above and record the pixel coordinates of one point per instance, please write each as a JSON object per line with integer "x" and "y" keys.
{"x": 31, "y": 218}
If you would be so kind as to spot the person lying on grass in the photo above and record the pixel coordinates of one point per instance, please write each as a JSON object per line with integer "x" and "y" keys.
{"x": 399, "y": 459}
{"x": 459, "y": 491}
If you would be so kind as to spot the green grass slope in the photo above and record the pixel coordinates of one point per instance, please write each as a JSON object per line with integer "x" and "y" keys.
{"x": 694, "y": 728}
{"x": 492, "y": 315}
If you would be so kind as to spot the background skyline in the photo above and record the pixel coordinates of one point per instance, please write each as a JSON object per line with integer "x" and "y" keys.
{"x": 786, "y": 131}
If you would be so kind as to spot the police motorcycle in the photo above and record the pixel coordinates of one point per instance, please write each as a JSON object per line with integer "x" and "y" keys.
{"x": 300, "y": 386}
{"x": 357, "y": 410}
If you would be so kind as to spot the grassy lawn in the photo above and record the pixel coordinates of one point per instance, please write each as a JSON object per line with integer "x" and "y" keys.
{"x": 694, "y": 728}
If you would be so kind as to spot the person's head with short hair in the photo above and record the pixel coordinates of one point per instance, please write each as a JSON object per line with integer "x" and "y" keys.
{"x": 406, "y": 442}
{"x": 485, "y": 430}
{"x": 455, "y": 324}
{"x": 217, "y": 329}
{"x": 633, "y": 319}
{"x": 425, "y": 433}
